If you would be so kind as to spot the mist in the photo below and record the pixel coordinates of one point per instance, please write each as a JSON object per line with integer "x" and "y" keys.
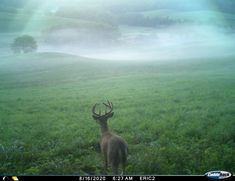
{"x": 176, "y": 42}
{"x": 128, "y": 30}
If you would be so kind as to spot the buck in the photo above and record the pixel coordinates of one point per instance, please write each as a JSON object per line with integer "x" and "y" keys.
{"x": 113, "y": 147}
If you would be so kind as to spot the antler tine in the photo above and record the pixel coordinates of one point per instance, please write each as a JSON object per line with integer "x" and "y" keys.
{"x": 93, "y": 110}
{"x": 108, "y": 102}
{"x": 109, "y": 105}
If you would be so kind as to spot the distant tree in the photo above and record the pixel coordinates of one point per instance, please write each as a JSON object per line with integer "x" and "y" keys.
{"x": 24, "y": 44}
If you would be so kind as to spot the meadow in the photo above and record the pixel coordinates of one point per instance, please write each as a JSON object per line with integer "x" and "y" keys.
{"x": 177, "y": 116}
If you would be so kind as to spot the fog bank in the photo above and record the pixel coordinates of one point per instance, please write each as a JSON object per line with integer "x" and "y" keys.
{"x": 141, "y": 43}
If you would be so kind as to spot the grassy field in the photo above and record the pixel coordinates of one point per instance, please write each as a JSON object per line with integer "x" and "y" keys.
{"x": 178, "y": 117}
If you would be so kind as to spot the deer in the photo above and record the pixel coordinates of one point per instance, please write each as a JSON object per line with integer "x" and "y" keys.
{"x": 113, "y": 147}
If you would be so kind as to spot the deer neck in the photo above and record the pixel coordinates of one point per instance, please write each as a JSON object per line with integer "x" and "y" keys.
{"x": 104, "y": 127}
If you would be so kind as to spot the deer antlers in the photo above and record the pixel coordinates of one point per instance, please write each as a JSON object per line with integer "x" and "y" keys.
{"x": 107, "y": 105}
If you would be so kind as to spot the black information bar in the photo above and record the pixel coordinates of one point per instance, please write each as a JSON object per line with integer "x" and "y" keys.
{"x": 106, "y": 178}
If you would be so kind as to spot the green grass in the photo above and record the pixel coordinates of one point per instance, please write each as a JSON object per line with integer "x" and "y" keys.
{"x": 178, "y": 117}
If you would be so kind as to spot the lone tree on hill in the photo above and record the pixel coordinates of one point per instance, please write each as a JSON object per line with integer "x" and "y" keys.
{"x": 24, "y": 44}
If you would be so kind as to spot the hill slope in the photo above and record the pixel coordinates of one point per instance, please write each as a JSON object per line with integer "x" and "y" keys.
{"x": 177, "y": 117}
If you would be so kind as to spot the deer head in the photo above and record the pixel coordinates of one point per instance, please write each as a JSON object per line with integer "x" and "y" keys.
{"x": 103, "y": 118}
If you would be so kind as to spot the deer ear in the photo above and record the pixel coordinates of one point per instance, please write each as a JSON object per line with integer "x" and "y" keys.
{"x": 111, "y": 114}
{"x": 95, "y": 117}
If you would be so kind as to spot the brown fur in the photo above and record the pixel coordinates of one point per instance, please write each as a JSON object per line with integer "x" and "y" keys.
{"x": 115, "y": 150}
{"x": 113, "y": 147}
